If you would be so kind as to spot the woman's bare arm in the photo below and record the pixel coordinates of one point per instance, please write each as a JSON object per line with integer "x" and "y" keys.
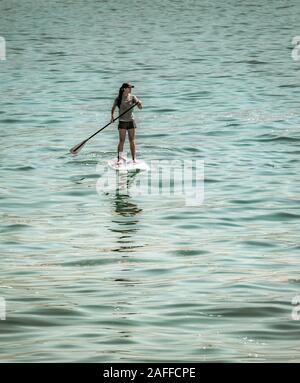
{"x": 112, "y": 112}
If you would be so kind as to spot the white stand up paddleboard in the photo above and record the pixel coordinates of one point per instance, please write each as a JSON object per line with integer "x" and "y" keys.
{"x": 128, "y": 165}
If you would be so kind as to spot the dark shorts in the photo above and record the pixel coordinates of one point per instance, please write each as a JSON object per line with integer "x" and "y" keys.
{"x": 127, "y": 125}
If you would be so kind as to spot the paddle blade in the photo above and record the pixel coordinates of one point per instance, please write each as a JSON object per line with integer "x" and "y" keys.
{"x": 76, "y": 149}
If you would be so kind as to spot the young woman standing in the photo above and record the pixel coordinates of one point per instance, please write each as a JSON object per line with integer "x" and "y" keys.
{"x": 126, "y": 123}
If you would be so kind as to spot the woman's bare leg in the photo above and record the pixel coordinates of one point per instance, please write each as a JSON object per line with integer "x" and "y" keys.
{"x": 131, "y": 136}
{"x": 122, "y": 135}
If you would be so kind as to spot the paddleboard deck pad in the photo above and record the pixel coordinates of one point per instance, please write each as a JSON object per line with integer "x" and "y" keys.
{"x": 128, "y": 165}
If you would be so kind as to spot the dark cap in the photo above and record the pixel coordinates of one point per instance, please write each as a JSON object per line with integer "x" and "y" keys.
{"x": 127, "y": 85}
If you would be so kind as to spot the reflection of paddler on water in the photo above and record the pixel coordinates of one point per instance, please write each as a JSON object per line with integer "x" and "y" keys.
{"x": 125, "y": 182}
{"x": 125, "y": 222}
{"x": 124, "y": 101}
{"x": 124, "y": 207}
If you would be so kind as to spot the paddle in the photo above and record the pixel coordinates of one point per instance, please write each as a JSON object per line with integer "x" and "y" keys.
{"x": 78, "y": 147}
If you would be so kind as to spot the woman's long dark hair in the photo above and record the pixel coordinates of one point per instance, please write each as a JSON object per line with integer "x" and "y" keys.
{"x": 121, "y": 90}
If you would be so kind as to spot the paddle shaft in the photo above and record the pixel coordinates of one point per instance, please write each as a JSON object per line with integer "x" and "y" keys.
{"x": 98, "y": 131}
